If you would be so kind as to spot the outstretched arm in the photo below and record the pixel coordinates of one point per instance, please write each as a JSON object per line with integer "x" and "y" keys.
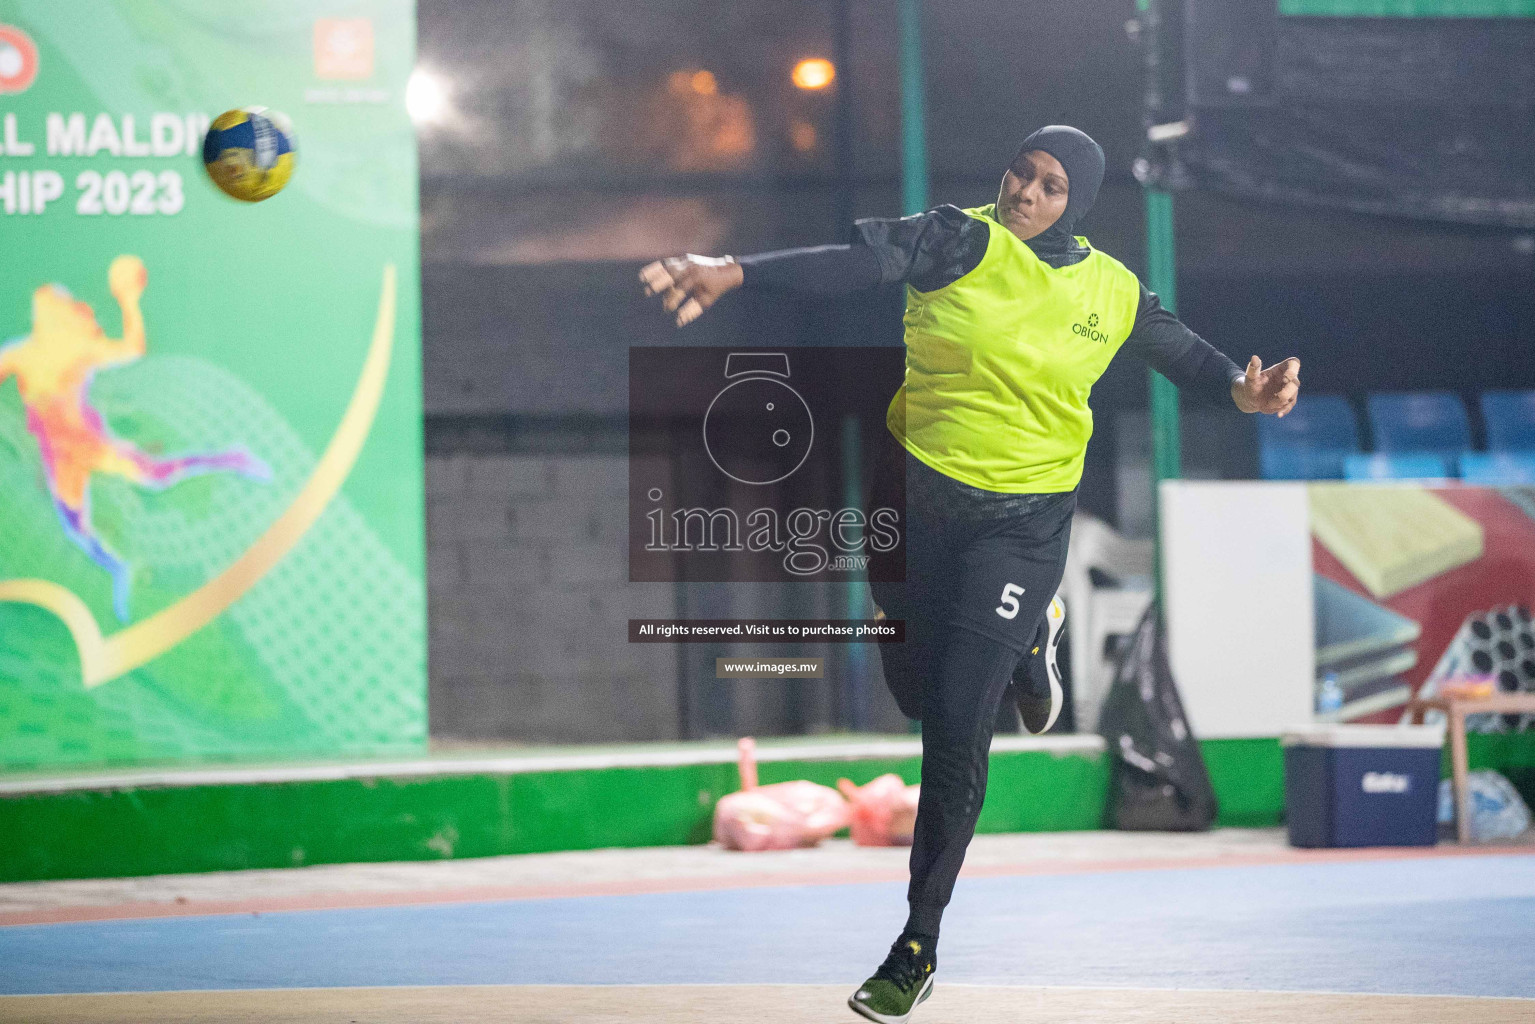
{"x": 127, "y": 279}
{"x": 1176, "y": 352}
{"x": 1192, "y": 363}
{"x": 929, "y": 250}
{"x": 690, "y": 284}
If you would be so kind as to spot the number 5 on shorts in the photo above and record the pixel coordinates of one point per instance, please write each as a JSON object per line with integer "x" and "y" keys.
{"x": 1008, "y": 609}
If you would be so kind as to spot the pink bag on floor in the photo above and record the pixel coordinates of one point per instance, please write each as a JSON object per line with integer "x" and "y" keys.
{"x": 884, "y": 813}
{"x": 782, "y": 816}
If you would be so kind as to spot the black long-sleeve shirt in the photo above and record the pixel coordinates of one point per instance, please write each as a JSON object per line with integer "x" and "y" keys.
{"x": 934, "y": 249}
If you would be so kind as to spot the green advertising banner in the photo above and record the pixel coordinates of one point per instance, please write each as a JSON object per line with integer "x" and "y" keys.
{"x": 211, "y": 539}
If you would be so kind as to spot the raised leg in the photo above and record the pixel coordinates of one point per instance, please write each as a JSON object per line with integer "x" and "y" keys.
{"x": 77, "y": 527}
{"x": 160, "y": 473}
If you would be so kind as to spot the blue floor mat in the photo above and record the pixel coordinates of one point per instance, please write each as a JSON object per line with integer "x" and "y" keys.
{"x": 1450, "y": 926}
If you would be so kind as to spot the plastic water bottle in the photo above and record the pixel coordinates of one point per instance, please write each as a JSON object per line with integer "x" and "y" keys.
{"x": 1496, "y": 809}
{"x": 1329, "y": 698}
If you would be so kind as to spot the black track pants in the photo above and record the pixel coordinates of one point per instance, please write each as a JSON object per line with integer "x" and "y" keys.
{"x": 977, "y": 585}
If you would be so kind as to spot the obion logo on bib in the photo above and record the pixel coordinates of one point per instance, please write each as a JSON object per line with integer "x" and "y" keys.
{"x": 1090, "y": 329}
{"x": 18, "y": 60}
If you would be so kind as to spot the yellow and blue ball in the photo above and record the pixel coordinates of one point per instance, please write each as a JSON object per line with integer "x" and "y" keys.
{"x": 249, "y": 153}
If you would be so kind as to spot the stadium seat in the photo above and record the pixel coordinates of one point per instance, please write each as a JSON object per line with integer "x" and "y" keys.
{"x": 1420, "y": 423}
{"x": 1311, "y": 441}
{"x": 1386, "y": 466}
{"x": 1510, "y": 419}
{"x": 1498, "y": 468}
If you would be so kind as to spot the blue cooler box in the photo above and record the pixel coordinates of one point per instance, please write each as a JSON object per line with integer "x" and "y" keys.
{"x": 1362, "y": 785}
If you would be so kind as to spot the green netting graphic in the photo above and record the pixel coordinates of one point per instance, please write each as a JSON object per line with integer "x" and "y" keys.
{"x": 325, "y": 654}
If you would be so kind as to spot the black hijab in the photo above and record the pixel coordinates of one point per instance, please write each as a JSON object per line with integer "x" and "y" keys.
{"x": 1083, "y": 161}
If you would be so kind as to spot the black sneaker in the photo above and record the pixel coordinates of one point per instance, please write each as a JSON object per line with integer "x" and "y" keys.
{"x": 902, "y": 981}
{"x": 1037, "y": 686}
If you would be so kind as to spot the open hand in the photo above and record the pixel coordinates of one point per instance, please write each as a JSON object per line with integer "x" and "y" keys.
{"x": 690, "y": 284}
{"x": 1273, "y": 390}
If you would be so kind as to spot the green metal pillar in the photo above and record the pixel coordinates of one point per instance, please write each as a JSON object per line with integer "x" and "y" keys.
{"x": 1162, "y": 269}
{"x": 1166, "y": 437}
{"x": 913, "y": 111}
{"x": 913, "y": 126}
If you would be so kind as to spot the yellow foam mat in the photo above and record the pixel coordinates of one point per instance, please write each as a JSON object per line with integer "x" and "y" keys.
{"x": 1392, "y": 536}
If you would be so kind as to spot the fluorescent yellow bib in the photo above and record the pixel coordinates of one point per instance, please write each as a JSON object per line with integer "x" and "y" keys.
{"x": 999, "y": 365}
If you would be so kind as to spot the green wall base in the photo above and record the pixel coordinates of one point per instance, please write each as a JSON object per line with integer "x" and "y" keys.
{"x": 122, "y": 830}
{"x": 1248, "y": 777}
{"x": 116, "y": 832}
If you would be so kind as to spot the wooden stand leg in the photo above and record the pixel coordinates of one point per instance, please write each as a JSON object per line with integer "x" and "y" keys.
{"x": 1458, "y": 767}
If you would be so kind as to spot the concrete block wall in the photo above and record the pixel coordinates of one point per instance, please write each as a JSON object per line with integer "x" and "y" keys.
{"x": 525, "y": 374}
{"x": 529, "y": 601}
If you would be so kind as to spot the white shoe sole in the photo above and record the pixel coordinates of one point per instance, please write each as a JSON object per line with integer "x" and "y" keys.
{"x": 1055, "y": 618}
{"x": 880, "y": 1018}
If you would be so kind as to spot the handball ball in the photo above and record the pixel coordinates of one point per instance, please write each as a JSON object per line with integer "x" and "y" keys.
{"x": 249, "y": 153}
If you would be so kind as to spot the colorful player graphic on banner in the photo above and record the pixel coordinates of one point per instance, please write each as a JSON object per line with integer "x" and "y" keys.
{"x": 54, "y": 367}
{"x": 211, "y": 537}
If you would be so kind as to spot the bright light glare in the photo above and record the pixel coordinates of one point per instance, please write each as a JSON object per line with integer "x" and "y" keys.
{"x": 426, "y": 97}
{"x": 814, "y": 73}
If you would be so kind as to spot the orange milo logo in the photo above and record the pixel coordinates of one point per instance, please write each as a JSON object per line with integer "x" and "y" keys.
{"x": 18, "y": 60}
